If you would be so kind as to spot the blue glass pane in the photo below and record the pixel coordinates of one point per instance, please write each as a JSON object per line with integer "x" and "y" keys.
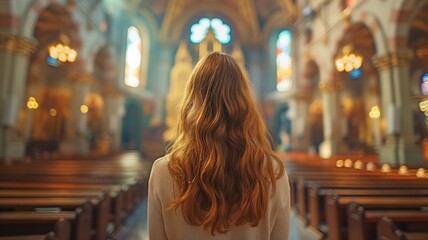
{"x": 133, "y": 35}
{"x": 355, "y": 74}
{"x": 221, "y": 30}
{"x": 199, "y": 30}
{"x": 204, "y": 22}
{"x": 425, "y": 77}
{"x": 424, "y": 85}
{"x": 52, "y": 61}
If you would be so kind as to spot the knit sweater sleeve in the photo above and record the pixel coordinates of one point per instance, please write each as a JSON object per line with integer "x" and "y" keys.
{"x": 280, "y": 230}
{"x": 156, "y": 224}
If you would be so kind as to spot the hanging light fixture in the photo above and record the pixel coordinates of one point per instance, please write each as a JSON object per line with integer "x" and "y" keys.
{"x": 348, "y": 60}
{"x": 61, "y": 51}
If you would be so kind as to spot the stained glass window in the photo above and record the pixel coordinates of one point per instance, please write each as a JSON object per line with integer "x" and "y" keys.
{"x": 133, "y": 58}
{"x": 199, "y": 30}
{"x": 283, "y": 61}
{"x": 424, "y": 84}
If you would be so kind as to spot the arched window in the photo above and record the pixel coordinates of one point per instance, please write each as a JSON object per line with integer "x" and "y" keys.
{"x": 283, "y": 61}
{"x": 199, "y": 30}
{"x": 133, "y": 58}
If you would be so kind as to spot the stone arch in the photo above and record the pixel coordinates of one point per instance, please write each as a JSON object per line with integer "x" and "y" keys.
{"x": 311, "y": 75}
{"x": 279, "y": 19}
{"x": 10, "y": 18}
{"x": 31, "y": 14}
{"x": 402, "y": 16}
{"x": 103, "y": 65}
{"x": 359, "y": 93}
{"x": 377, "y": 30}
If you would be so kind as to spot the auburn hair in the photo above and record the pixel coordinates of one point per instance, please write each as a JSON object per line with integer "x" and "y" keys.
{"x": 221, "y": 159}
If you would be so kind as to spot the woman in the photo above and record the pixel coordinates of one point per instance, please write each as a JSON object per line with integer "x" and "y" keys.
{"x": 221, "y": 179}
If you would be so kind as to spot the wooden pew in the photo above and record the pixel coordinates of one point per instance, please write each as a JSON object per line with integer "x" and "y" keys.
{"x": 362, "y": 223}
{"x": 112, "y": 199}
{"x": 349, "y": 183}
{"x": 101, "y": 203}
{"x": 135, "y": 185}
{"x": 19, "y": 222}
{"x": 317, "y": 197}
{"x": 48, "y": 236}
{"x": 336, "y": 210}
{"x": 54, "y": 204}
{"x": 126, "y": 176}
{"x": 386, "y": 230}
{"x": 120, "y": 189}
{"x": 59, "y": 226}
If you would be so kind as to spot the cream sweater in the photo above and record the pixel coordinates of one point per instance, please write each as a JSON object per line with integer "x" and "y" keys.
{"x": 169, "y": 224}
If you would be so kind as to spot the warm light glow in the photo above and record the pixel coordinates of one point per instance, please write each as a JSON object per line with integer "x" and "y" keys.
{"x": 133, "y": 58}
{"x": 374, "y": 112}
{"x": 358, "y": 164}
{"x": 62, "y": 53}
{"x": 84, "y": 109}
{"x": 32, "y": 103}
{"x": 348, "y": 163}
{"x": 52, "y": 112}
{"x": 421, "y": 173}
{"x": 370, "y": 166}
{"x": 423, "y": 106}
{"x": 348, "y": 60}
{"x": 403, "y": 170}
{"x": 339, "y": 163}
{"x": 385, "y": 168}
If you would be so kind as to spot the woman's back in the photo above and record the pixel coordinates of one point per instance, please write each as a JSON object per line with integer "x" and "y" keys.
{"x": 170, "y": 224}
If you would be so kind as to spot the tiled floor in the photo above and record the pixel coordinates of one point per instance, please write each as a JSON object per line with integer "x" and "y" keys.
{"x": 139, "y": 229}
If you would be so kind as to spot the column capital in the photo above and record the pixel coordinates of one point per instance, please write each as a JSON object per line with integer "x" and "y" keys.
{"x": 397, "y": 58}
{"x": 81, "y": 77}
{"x": 302, "y": 95}
{"x": 331, "y": 86}
{"x": 112, "y": 92}
{"x": 16, "y": 44}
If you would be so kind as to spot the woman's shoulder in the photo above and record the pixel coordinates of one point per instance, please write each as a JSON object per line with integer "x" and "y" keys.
{"x": 282, "y": 183}
{"x": 160, "y": 167}
{"x": 161, "y": 162}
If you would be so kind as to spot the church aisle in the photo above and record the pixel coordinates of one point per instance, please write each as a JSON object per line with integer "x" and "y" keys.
{"x": 138, "y": 231}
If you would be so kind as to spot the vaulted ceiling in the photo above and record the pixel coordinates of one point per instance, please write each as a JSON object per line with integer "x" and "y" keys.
{"x": 251, "y": 20}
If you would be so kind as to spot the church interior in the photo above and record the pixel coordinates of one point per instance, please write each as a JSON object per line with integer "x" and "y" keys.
{"x": 89, "y": 91}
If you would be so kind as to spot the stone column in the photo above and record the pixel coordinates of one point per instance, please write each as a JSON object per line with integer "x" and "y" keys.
{"x": 114, "y": 110}
{"x": 33, "y": 90}
{"x": 76, "y": 133}
{"x": 254, "y": 62}
{"x": 399, "y": 147}
{"x": 165, "y": 61}
{"x": 372, "y": 99}
{"x": 299, "y": 107}
{"x": 14, "y": 57}
{"x": 332, "y": 118}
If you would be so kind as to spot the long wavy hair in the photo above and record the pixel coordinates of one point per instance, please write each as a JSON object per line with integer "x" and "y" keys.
{"x": 221, "y": 160}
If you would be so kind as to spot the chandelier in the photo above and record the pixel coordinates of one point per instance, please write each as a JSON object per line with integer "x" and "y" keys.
{"x": 62, "y": 52}
{"x": 348, "y": 60}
